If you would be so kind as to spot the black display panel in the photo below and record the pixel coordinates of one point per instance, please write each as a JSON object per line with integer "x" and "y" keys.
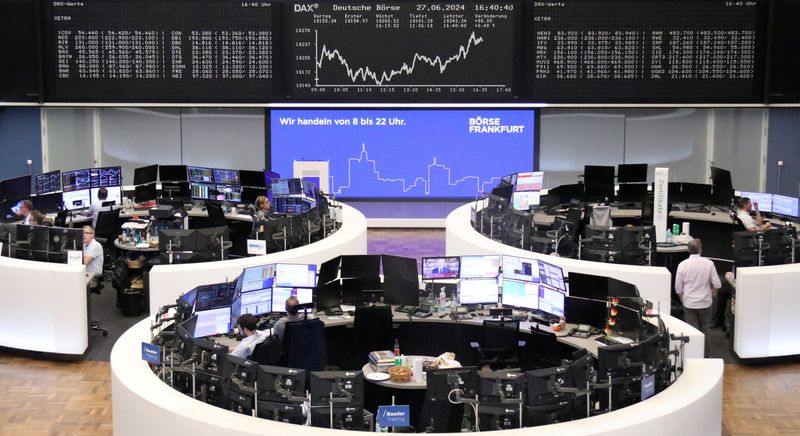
{"x": 19, "y": 51}
{"x": 642, "y": 51}
{"x": 48, "y": 182}
{"x": 409, "y": 51}
{"x": 159, "y": 51}
{"x": 784, "y": 55}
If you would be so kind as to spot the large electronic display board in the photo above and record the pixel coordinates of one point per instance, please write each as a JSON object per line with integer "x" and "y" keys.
{"x": 641, "y": 51}
{"x": 159, "y": 51}
{"x": 430, "y": 51}
{"x": 407, "y": 153}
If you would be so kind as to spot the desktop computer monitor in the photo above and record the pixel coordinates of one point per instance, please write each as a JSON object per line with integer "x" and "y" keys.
{"x": 360, "y": 266}
{"x": 289, "y": 413}
{"x": 631, "y": 173}
{"x": 255, "y": 278}
{"x": 603, "y": 175}
{"x": 277, "y": 383}
{"x": 77, "y": 180}
{"x": 200, "y": 175}
{"x": 764, "y": 200}
{"x": 213, "y": 296}
{"x": 172, "y": 173}
{"x": 525, "y": 200}
{"x": 498, "y": 385}
{"x": 585, "y": 311}
{"x": 255, "y": 302}
{"x": 518, "y": 268}
{"x": 588, "y": 286}
{"x": 145, "y": 175}
{"x": 114, "y": 194}
{"x": 435, "y": 268}
{"x": 328, "y": 296}
{"x": 145, "y": 193}
{"x": 530, "y": 181}
{"x": 295, "y": 275}
{"x": 478, "y": 291}
{"x": 552, "y": 275}
{"x": 202, "y": 191}
{"x": 329, "y": 270}
{"x": 785, "y": 206}
{"x": 229, "y": 193}
{"x": 48, "y": 203}
{"x": 632, "y": 192}
{"x": 176, "y": 240}
{"x": 63, "y": 239}
{"x": 340, "y": 385}
{"x": 398, "y": 267}
{"x": 105, "y": 177}
{"x": 442, "y": 382}
{"x": 280, "y": 295}
{"x": 723, "y": 186}
{"x": 213, "y": 322}
{"x": 16, "y": 189}
{"x": 524, "y": 295}
{"x": 48, "y": 182}
{"x": 253, "y": 179}
{"x": 473, "y": 267}
{"x": 74, "y": 200}
{"x": 551, "y": 301}
{"x": 226, "y": 177}
{"x": 209, "y": 242}
{"x": 401, "y": 291}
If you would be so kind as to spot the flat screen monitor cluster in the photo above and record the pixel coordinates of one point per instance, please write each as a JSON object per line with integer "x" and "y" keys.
{"x": 49, "y": 182}
{"x": 215, "y": 184}
{"x": 527, "y": 187}
{"x": 354, "y": 279}
{"x": 80, "y": 187}
{"x": 44, "y": 243}
{"x": 782, "y": 205}
{"x": 195, "y": 245}
{"x": 264, "y": 289}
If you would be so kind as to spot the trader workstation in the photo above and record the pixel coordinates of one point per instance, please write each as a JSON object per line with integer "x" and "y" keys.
{"x": 434, "y": 216}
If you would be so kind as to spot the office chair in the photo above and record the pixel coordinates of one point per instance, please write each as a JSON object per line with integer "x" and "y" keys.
{"x": 216, "y": 216}
{"x": 106, "y": 231}
{"x": 738, "y": 225}
{"x": 499, "y": 346}
{"x": 304, "y": 345}
{"x": 542, "y": 350}
{"x": 61, "y": 218}
{"x": 94, "y": 287}
{"x": 372, "y": 330}
{"x": 268, "y": 352}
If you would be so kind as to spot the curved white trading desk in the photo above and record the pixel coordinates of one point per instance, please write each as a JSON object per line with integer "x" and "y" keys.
{"x": 461, "y": 239}
{"x": 767, "y": 303}
{"x": 167, "y": 282}
{"x": 142, "y": 403}
{"x": 43, "y": 307}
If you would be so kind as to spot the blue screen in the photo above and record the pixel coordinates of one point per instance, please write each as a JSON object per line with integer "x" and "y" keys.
{"x": 406, "y": 153}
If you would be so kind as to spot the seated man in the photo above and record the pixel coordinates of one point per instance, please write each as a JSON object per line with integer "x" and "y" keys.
{"x": 745, "y": 206}
{"x": 92, "y": 257}
{"x": 252, "y": 337}
{"x": 291, "y": 309}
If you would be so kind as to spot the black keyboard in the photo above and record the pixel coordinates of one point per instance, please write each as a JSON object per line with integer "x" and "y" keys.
{"x": 520, "y": 318}
{"x": 544, "y": 317}
{"x": 406, "y": 309}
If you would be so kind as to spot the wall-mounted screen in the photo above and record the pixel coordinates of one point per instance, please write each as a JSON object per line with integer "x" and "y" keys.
{"x": 158, "y": 51}
{"x": 406, "y": 153}
{"x": 429, "y": 51}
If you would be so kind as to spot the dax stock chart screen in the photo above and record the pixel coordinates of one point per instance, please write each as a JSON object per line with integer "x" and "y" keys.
{"x": 407, "y": 153}
{"x": 429, "y": 51}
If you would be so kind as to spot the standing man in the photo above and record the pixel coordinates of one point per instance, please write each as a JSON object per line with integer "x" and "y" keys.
{"x": 92, "y": 257}
{"x": 752, "y": 225}
{"x": 696, "y": 282}
{"x": 96, "y": 208}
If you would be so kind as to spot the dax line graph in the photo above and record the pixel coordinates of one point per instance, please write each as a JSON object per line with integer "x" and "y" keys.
{"x": 381, "y": 79}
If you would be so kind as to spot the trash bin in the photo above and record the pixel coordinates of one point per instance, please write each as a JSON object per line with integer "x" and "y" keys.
{"x": 132, "y": 302}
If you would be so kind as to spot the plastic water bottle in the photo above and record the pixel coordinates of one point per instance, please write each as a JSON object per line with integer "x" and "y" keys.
{"x": 669, "y": 236}
{"x": 442, "y": 301}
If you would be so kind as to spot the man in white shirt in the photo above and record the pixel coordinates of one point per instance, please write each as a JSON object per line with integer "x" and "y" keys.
{"x": 752, "y": 225}
{"x": 96, "y": 208}
{"x": 696, "y": 283}
{"x": 25, "y": 209}
{"x": 92, "y": 256}
{"x": 252, "y": 337}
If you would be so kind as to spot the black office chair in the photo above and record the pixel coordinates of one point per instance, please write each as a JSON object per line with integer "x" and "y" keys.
{"x": 499, "y": 346}
{"x": 268, "y": 352}
{"x": 105, "y": 232}
{"x": 304, "y": 345}
{"x": 542, "y": 350}
{"x": 738, "y": 225}
{"x": 216, "y": 217}
{"x": 372, "y": 331}
{"x": 61, "y": 218}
